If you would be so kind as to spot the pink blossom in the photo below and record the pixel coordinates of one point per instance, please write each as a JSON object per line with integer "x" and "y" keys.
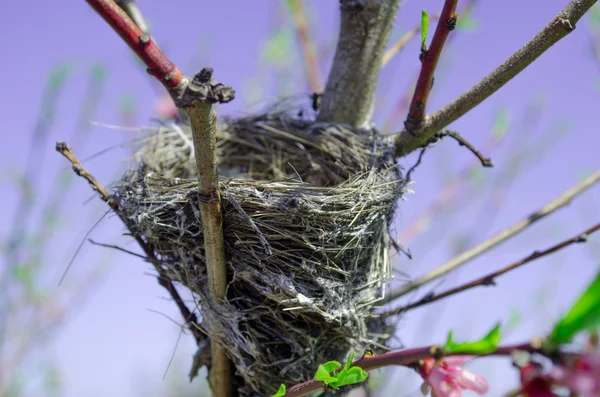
{"x": 579, "y": 374}
{"x": 447, "y": 379}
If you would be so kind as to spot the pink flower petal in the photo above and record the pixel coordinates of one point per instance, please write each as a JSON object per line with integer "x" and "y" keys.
{"x": 468, "y": 380}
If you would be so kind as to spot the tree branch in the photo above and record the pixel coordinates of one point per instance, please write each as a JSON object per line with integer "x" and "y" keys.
{"x": 407, "y": 358}
{"x": 485, "y": 161}
{"x": 429, "y": 60}
{"x": 364, "y": 32}
{"x": 195, "y": 96}
{"x": 189, "y": 317}
{"x": 559, "y": 27}
{"x": 310, "y": 58}
{"x": 490, "y": 278}
{"x": 511, "y": 231}
{"x": 141, "y": 43}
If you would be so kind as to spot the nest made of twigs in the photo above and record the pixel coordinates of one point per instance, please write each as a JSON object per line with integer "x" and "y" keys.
{"x": 306, "y": 214}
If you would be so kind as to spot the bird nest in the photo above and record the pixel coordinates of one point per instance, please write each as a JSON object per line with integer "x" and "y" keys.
{"x": 306, "y": 208}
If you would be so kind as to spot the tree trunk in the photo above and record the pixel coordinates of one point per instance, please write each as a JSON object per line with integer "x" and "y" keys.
{"x": 364, "y": 32}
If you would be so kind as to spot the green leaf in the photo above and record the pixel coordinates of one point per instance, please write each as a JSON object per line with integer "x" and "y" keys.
{"x": 424, "y": 29}
{"x": 485, "y": 345}
{"x": 324, "y": 370}
{"x": 352, "y": 376}
{"x": 584, "y": 315}
{"x": 280, "y": 392}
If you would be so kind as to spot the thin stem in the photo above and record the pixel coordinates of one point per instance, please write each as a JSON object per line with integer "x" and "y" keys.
{"x": 408, "y": 357}
{"x": 311, "y": 65}
{"x": 189, "y": 317}
{"x": 490, "y": 278}
{"x": 485, "y": 161}
{"x": 504, "y": 235}
{"x": 560, "y": 26}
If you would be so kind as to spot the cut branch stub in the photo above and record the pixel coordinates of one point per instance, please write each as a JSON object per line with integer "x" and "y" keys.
{"x": 204, "y": 88}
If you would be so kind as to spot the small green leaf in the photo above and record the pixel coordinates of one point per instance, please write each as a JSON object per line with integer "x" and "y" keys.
{"x": 500, "y": 124}
{"x": 98, "y": 72}
{"x": 280, "y": 392}
{"x": 584, "y": 315}
{"x": 352, "y": 376}
{"x": 324, "y": 370}
{"x": 485, "y": 345}
{"x": 424, "y": 29}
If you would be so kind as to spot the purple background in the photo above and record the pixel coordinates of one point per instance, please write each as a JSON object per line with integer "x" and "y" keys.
{"x": 113, "y": 345}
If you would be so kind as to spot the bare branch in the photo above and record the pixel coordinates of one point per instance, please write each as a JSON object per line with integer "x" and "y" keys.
{"x": 364, "y": 32}
{"x": 310, "y": 58}
{"x": 511, "y": 231}
{"x": 429, "y": 59}
{"x": 559, "y": 27}
{"x": 189, "y": 317}
{"x": 490, "y": 278}
{"x": 485, "y": 161}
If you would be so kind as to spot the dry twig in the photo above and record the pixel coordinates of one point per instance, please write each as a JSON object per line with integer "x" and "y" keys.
{"x": 490, "y": 279}
{"x": 511, "y": 231}
{"x": 189, "y": 317}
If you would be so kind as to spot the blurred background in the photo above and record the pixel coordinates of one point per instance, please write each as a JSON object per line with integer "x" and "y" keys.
{"x": 109, "y": 329}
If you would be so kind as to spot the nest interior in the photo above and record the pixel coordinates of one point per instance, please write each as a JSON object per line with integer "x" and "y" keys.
{"x": 307, "y": 209}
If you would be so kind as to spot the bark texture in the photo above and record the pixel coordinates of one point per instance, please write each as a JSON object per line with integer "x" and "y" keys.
{"x": 364, "y": 33}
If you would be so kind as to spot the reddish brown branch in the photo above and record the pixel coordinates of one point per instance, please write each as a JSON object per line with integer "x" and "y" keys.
{"x": 490, "y": 279}
{"x": 407, "y": 357}
{"x": 429, "y": 60}
{"x": 141, "y": 43}
{"x": 190, "y": 318}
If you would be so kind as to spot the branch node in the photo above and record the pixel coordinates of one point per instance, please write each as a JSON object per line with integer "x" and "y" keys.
{"x": 582, "y": 238}
{"x": 144, "y": 38}
{"x": 204, "y": 88}
{"x": 566, "y": 24}
{"x": 451, "y": 23}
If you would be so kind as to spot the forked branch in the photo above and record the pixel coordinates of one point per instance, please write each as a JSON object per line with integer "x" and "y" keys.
{"x": 504, "y": 235}
{"x": 563, "y": 24}
{"x": 490, "y": 279}
{"x": 196, "y": 97}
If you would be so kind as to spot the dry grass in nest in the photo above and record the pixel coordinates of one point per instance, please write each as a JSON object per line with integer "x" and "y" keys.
{"x": 306, "y": 213}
